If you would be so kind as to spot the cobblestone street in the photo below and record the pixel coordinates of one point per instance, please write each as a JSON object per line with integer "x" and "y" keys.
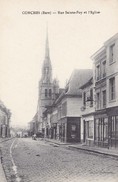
{"x": 40, "y": 161}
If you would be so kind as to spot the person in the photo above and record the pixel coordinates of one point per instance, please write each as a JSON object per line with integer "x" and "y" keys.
{"x": 34, "y": 137}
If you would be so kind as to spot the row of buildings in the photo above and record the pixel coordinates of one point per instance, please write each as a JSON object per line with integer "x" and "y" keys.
{"x": 86, "y": 110}
{"x": 5, "y": 116}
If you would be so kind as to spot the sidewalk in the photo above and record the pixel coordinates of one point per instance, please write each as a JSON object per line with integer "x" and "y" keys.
{"x": 2, "y": 174}
{"x": 98, "y": 150}
{"x": 55, "y": 141}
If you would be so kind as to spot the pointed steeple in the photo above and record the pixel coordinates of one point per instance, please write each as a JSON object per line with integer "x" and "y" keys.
{"x": 47, "y": 67}
{"x": 47, "y": 52}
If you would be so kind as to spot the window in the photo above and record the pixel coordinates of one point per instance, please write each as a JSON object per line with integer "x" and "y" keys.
{"x": 113, "y": 132}
{"x": 112, "y": 53}
{"x": 104, "y": 98}
{"x": 73, "y": 127}
{"x": 90, "y": 129}
{"x": 113, "y": 125}
{"x": 98, "y": 72}
{"x": 84, "y": 98}
{"x": 112, "y": 88}
{"x": 104, "y": 69}
{"x": 98, "y": 100}
{"x": 101, "y": 129}
{"x": 45, "y": 92}
{"x": 91, "y": 97}
{"x": 50, "y": 92}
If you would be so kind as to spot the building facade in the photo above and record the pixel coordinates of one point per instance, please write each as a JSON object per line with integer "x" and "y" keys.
{"x": 106, "y": 95}
{"x": 112, "y": 89}
{"x": 87, "y": 112}
{"x": 5, "y": 116}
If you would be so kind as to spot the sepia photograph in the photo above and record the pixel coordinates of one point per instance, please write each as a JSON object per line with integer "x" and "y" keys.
{"x": 58, "y": 91}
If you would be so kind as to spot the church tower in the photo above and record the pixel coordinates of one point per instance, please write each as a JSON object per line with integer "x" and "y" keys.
{"x": 46, "y": 88}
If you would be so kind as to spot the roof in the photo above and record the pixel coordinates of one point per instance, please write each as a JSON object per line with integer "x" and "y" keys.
{"x": 88, "y": 83}
{"x": 78, "y": 78}
{"x": 4, "y": 108}
{"x": 98, "y": 52}
{"x": 113, "y": 38}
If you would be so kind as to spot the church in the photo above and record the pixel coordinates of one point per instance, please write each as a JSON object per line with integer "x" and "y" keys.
{"x": 48, "y": 88}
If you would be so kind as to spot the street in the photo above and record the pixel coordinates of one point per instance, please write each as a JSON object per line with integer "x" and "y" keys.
{"x": 40, "y": 161}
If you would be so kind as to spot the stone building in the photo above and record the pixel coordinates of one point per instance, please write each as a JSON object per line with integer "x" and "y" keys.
{"x": 5, "y": 116}
{"x": 87, "y": 111}
{"x": 106, "y": 90}
{"x": 112, "y": 89}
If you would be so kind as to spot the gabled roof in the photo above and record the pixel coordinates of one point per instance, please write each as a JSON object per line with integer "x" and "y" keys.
{"x": 88, "y": 83}
{"x": 78, "y": 78}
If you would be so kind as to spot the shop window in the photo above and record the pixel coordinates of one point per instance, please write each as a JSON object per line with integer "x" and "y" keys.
{"x": 101, "y": 129}
{"x": 113, "y": 126}
{"x": 73, "y": 127}
{"x": 113, "y": 131}
{"x": 112, "y": 88}
{"x": 90, "y": 129}
{"x": 105, "y": 129}
{"x": 73, "y": 131}
{"x": 117, "y": 126}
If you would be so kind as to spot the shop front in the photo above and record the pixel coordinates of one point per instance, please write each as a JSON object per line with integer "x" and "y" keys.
{"x": 54, "y": 131}
{"x": 88, "y": 130}
{"x": 101, "y": 138}
{"x": 69, "y": 129}
{"x": 62, "y": 129}
{"x": 113, "y": 126}
{"x": 73, "y": 129}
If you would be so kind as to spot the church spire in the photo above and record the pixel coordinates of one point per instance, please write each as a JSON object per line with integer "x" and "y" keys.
{"x": 47, "y": 67}
{"x": 47, "y": 54}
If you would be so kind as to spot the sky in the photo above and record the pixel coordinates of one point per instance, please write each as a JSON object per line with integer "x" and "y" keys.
{"x": 73, "y": 39}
